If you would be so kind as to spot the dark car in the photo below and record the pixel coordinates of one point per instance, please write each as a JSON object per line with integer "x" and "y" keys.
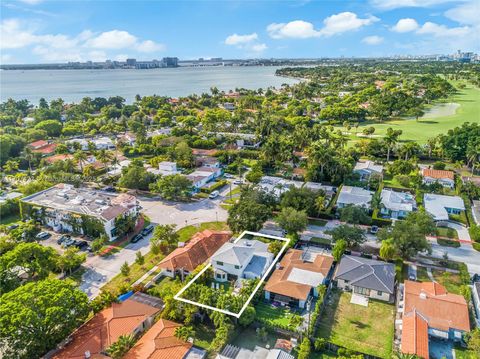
{"x": 12, "y": 226}
{"x": 109, "y": 189}
{"x": 68, "y": 242}
{"x": 43, "y": 235}
{"x": 63, "y": 238}
{"x": 81, "y": 244}
{"x": 147, "y": 230}
{"x": 136, "y": 238}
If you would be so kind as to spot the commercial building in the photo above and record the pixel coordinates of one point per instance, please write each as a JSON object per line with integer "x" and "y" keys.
{"x": 65, "y": 208}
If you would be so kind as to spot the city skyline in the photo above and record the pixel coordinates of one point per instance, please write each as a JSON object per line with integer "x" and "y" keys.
{"x": 36, "y": 31}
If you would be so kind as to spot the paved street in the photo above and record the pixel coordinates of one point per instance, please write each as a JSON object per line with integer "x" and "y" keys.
{"x": 463, "y": 254}
{"x": 102, "y": 269}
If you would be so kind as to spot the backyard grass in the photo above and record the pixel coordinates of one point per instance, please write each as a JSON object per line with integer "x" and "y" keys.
{"x": 422, "y": 275}
{"x": 204, "y": 335}
{"x": 425, "y": 128}
{"x": 364, "y": 329}
{"x": 451, "y": 281}
{"x": 187, "y": 232}
{"x": 319, "y": 240}
{"x": 248, "y": 339}
{"x": 274, "y": 316}
{"x": 5, "y": 220}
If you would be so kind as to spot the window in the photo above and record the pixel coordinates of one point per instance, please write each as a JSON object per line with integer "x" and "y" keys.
{"x": 379, "y": 293}
{"x": 237, "y": 267}
{"x": 219, "y": 263}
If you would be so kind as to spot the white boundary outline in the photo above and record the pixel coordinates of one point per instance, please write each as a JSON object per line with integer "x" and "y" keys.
{"x": 267, "y": 272}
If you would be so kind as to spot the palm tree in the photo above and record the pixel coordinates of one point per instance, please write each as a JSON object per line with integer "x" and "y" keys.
{"x": 29, "y": 156}
{"x": 320, "y": 203}
{"x": 390, "y": 139}
{"x": 80, "y": 157}
{"x": 10, "y": 166}
{"x": 88, "y": 171}
{"x": 473, "y": 156}
{"x": 104, "y": 156}
{"x": 184, "y": 332}
{"x": 118, "y": 349}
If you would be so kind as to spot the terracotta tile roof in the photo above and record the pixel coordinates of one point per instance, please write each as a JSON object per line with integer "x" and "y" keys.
{"x": 105, "y": 328}
{"x": 438, "y": 174}
{"x": 284, "y": 344}
{"x": 47, "y": 149}
{"x": 279, "y": 282}
{"x": 160, "y": 343}
{"x": 415, "y": 335}
{"x": 38, "y": 144}
{"x": 59, "y": 157}
{"x": 442, "y": 310}
{"x": 202, "y": 152}
{"x": 197, "y": 251}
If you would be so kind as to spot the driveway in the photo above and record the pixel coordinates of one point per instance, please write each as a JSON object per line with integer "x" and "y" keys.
{"x": 463, "y": 254}
{"x": 101, "y": 270}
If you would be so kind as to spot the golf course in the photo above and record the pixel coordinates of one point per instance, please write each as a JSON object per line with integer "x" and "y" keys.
{"x": 463, "y": 106}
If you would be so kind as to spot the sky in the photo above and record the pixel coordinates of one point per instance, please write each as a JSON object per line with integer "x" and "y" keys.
{"x": 48, "y": 31}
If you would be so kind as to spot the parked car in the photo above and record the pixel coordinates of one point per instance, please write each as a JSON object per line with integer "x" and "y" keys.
{"x": 63, "y": 238}
{"x": 374, "y": 229}
{"x": 12, "y": 226}
{"x": 68, "y": 243}
{"x": 81, "y": 244}
{"x": 136, "y": 238}
{"x": 228, "y": 175}
{"x": 109, "y": 189}
{"x": 213, "y": 195}
{"x": 147, "y": 230}
{"x": 238, "y": 182}
{"x": 43, "y": 235}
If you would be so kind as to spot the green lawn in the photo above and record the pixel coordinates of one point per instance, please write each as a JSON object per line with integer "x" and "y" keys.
{"x": 318, "y": 240}
{"x": 364, "y": 329}
{"x": 448, "y": 243}
{"x": 451, "y": 281}
{"x": 317, "y": 222}
{"x": 461, "y": 353}
{"x": 10, "y": 219}
{"x": 248, "y": 339}
{"x": 421, "y": 131}
{"x": 422, "y": 275}
{"x": 187, "y": 232}
{"x": 277, "y": 317}
{"x": 445, "y": 232}
{"x": 204, "y": 335}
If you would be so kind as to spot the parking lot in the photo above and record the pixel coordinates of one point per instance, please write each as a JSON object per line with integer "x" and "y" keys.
{"x": 54, "y": 237}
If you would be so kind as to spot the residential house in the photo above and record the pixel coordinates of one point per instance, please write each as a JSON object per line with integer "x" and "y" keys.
{"x": 160, "y": 342}
{"x": 64, "y": 207}
{"x": 45, "y": 148}
{"x": 128, "y": 138}
{"x": 116, "y": 170}
{"x": 100, "y": 143}
{"x": 131, "y": 317}
{"x": 165, "y": 168}
{"x": 429, "y": 311}
{"x": 59, "y": 157}
{"x": 230, "y": 106}
{"x": 198, "y": 250}
{"x": 355, "y": 196}
{"x": 371, "y": 278}
{"x": 395, "y": 204}
{"x": 247, "y": 259}
{"x": 233, "y": 352}
{"x": 297, "y": 277}
{"x": 365, "y": 169}
{"x": 440, "y": 206}
{"x": 476, "y": 211}
{"x": 207, "y": 161}
{"x": 476, "y": 300}
{"x": 445, "y": 178}
{"x": 277, "y": 185}
{"x": 202, "y": 175}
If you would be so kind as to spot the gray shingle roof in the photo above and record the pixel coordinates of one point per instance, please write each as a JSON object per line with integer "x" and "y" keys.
{"x": 367, "y": 273}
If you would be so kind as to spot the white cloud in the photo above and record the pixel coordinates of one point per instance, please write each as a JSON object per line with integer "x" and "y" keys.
{"x": 442, "y": 30}
{"x": 16, "y": 34}
{"x": 259, "y": 47}
{"x": 345, "y": 21}
{"x": 334, "y": 24}
{"x": 5, "y": 58}
{"x": 114, "y": 39}
{"x": 150, "y": 46}
{"x": 405, "y": 25}
{"x": 372, "y": 40}
{"x": 297, "y": 29}
{"x": 467, "y": 13}
{"x": 31, "y": 2}
{"x": 395, "y": 4}
{"x": 236, "y": 39}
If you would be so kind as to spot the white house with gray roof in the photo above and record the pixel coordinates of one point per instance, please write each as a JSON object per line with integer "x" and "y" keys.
{"x": 355, "y": 196}
{"x": 395, "y": 204}
{"x": 371, "y": 278}
{"x": 247, "y": 259}
{"x": 440, "y": 206}
{"x": 365, "y": 169}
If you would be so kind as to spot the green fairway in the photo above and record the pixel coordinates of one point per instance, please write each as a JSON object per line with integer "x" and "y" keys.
{"x": 421, "y": 131}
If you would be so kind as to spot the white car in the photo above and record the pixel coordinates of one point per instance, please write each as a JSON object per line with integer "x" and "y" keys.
{"x": 214, "y": 194}
{"x": 238, "y": 182}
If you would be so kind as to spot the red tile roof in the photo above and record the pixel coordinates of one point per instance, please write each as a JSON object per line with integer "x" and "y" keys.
{"x": 38, "y": 144}
{"x": 415, "y": 335}
{"x": 59, "y": 157}
{"x": 196, "y": 251}
{"x": 105, "y": 328}
{"x": 279, "y": 283}
{"x": 46, "y": 149}
{"x": 160, "y": 343}
{"x": 443, "y": 310}
{"x": 438, "y": 174}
